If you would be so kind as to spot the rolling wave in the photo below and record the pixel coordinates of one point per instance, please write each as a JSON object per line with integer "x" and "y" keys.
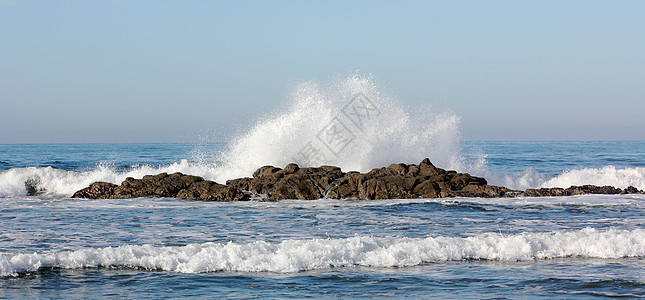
{"x": 60, "y": 183}
{"x": 312, "y": 254}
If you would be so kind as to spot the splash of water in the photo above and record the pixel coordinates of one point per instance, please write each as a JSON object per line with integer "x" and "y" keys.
{"x": 375, "y": 132}
{"x": 372, "y": 131}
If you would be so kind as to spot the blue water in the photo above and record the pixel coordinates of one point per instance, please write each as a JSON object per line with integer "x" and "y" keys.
{"x": 84, "y": 157}
{"x": 555, "y": 157}
{"x": 555, "y": 247}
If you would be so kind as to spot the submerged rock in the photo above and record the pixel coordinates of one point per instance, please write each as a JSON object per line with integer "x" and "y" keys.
{"x": 269, "y": 183}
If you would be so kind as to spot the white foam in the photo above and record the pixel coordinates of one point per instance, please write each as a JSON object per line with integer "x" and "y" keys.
{"x": 391, "y": 135}
{"x": 529, "y": 178}
{"x": 394, "y": 135}
{"x": 608, "y": 175}
{"x": 56, "y": 182}
{"x": 311, "y": 254}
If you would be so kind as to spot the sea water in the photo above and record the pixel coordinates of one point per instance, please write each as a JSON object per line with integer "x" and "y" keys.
{"x": 564, "y": 247}
{"x": 54, "y": 246}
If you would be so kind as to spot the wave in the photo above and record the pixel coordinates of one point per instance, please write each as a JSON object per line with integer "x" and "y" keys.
{"x": 349, "y": 123}
{"x": 608, "y": 175}
{"x": 312, "y": 254}
{"x": 530, "y": 178}
{"x": 61, "y": 183}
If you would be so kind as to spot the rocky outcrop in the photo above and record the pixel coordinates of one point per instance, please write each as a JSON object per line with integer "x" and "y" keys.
{"x": 397, "y": 181}
{"x": 580, "y": 190}
{"x": 175, "y": 185}
{"x": 97, "y": 190}
{"x": 292, "y": 182}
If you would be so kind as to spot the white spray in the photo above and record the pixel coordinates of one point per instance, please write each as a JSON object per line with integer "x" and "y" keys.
{"x": 349, "y": 123}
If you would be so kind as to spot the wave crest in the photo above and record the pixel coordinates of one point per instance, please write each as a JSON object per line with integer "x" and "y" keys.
{"x": 303, "y": 255}
{"x": 389, "y": 134}
{"x": 386, "y": 133}
{"x": 60, "y": 183}
{"x": 608, "y": 175}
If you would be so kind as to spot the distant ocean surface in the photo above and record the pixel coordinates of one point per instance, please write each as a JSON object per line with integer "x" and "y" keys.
{"x": 556, "y": 247}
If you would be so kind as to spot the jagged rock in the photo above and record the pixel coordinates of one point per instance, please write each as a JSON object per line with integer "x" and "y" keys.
{"x": 160, "y": 185}
{"x": 269, "y": 183}
{"x": 175, "y": 185}
{"x": 401, "y": 181}
{"x": 211, "y": 191}
{"x": 292, "y": 182}
{"x": 579, "y": 190}
{"x": 97, "y": 190}
{"x": 632, "y": 190}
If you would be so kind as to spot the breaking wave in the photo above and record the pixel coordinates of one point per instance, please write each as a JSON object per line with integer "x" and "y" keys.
{"x": 349, "y": 123}
{"x": 374, "y": 129}
{"x": 312, "y": 254}
{"x": 61, "y": 183}
{"x": 608, "y": 175}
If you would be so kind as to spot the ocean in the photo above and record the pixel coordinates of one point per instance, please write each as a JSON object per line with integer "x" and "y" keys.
{"x": 52, "y": 246}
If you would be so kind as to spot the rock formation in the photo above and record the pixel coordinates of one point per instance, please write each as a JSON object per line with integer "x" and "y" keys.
{"x": 175, "y": 185}
{"x": 580, "y": 190}
{"x": 398, "y": 181}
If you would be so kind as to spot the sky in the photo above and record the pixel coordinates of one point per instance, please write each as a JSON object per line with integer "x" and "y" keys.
{"x": 186, "y": 71}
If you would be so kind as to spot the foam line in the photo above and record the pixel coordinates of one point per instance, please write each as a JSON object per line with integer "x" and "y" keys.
{"x": 311, "y": 254}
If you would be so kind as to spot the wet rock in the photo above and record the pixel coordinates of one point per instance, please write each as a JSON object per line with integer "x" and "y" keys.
{"x": 579, "y": 190}
{"x": 269, "y": 183}
{"x": 401, "y": 181}
{"x": 292, "y": 182}
{"x": 160, "y": 185}
{"x": 632, "y": 190}
{"x": 210, "y": 191}
{"x": 175, "y": 185}
{"x": 32, "y": 187}
{"x": 97, "y": 190}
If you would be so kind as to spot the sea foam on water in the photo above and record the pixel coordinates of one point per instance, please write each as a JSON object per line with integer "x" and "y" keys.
{"x": 312, "y": 254}
{"x": 372, "y": 131}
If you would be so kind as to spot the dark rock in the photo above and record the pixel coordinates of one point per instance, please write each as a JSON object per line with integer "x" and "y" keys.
{"x": 175, "y": 185}
{"x": 160, "y": 185}
{"x": 97, "y": 190}
{"x": 579, "y": 190}
{"x": 32, "y": 187}
{"x": 292, "y": 182}
{"x": 632, "y": 190}
{"x": 397, "y": 181}
{"x": 210, "y": 191}
{"x": 401, "y": 181}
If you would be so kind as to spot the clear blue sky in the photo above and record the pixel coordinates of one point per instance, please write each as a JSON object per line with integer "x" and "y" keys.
{"x": 148, "y": 71}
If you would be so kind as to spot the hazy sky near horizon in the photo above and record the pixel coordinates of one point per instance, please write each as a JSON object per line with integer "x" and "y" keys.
{"x": 175, "y": 71}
